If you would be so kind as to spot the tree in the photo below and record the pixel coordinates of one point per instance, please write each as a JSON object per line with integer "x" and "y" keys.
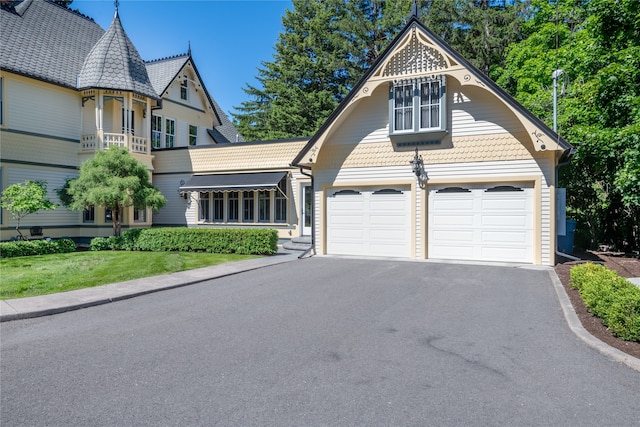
{"x": 325, "y": 48}
{"x": 116, "y": 180}
{"x": 25, "y": 198}
{"x": 596, "y": 43}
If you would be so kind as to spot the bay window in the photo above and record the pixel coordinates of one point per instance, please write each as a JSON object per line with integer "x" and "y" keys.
{"x": 417, "y": 106}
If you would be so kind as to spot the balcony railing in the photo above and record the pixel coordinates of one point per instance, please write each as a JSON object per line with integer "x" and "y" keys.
{"x": 135, "y": 144}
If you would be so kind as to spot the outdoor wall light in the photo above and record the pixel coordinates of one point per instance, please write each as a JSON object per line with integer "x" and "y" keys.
{"x": 417, "y": 166}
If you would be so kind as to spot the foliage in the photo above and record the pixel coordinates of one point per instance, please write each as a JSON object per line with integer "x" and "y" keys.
{"x": 46, "y": 274}
{"x": 36, "y": 247}
{"x": 325, "y": 48}
{"x": 25, "y": 198}
{"x": 212, "y": 240}
{"x": 610, "y": 297}
{"x": 116, "y": 180}
{"x": 596, "y": 44}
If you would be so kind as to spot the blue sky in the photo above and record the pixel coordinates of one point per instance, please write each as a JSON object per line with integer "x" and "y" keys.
{"x": 229, "y": 38}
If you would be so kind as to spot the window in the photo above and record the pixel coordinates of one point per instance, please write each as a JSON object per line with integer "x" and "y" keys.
{"x": 184, "y": 90}
{"x": 430, "y": 105}
{"x": 232, "y": 206}
{"x": 417, "y": 106}
{"x": 140, "y": 215}
{"x": 247, "y": 206}
{"x": 203, "y": 207}
{"x": 264, "y": 205}
{"x": 193, "y": 135}
{"x": 218, "y": 207}
{"x": 156, "y": 131}
{"x": 89, "y": 215}
{"x": 280, "y": 208}
{"x": 108, "y": 215}
{"x": 1, "y": 100}
{"x": 170, "y": 133}
{"x": 403, "y": 108}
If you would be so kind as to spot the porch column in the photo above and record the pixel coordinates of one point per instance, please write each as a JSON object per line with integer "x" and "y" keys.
{"x": 147, "y": 125}
{"x": 99, "y": 116}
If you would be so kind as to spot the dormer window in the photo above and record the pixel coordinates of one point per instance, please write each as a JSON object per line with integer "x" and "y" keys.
{"x": 184, "y": 90}
{"x": 417, "y": 106}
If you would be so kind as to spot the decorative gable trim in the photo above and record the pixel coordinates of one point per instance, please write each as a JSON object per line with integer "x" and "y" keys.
{"x": 418, "y": 56}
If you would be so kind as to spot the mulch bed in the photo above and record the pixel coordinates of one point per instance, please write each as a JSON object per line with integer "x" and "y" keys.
{"x": 625, "y": 266}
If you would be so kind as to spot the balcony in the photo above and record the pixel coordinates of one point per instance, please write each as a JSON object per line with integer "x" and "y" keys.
{"x": 102, "y": 141}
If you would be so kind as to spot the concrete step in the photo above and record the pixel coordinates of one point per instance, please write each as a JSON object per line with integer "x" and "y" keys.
{"x": 302, "y": 239}
{"x": 296, "y": 246}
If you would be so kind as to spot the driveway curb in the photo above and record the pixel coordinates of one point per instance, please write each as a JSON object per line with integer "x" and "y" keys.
{"x": 576, "y": 327}
{"x": 45, "y": 305}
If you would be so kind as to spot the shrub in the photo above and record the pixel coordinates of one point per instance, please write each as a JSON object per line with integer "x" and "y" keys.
{"x": 610, "y": 297}
{"x": 111, "y": 243}
{"x": 213, "y": 240}
{"x": 36, "y": 247}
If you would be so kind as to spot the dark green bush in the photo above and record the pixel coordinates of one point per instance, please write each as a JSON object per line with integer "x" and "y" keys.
{"x": 36, "y": 247}
{"x": 111, "y": 243}
{"x": 213, "y": 240}
{"x": 610, "y": 297}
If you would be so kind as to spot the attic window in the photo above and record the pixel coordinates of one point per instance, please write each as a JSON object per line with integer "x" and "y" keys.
{"x": 184, "y": 90}
{"x": 417, "y": 106}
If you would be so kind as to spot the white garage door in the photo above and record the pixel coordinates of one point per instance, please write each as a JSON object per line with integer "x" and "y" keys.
{"x": 485, "y": 223}
{"x": 373, "y": 222}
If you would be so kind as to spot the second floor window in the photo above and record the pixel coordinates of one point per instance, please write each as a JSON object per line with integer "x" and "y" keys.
{"x": 156, "y": 131}
{"x": 417, "y": 106}
{"x": 193, "y": 135}
{"x": 170, "y": 133}
{"x": 184, "y": 90}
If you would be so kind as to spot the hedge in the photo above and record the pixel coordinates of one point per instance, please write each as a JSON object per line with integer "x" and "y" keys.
{"x": 213, "y": 240}
{"x": 36, "y": 247}
{"x": 612, "y": 298}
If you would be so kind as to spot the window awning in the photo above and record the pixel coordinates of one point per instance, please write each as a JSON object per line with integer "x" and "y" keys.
{"x": 234, "y": 182}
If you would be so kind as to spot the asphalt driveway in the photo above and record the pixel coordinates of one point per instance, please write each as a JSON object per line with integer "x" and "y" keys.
{"x": 322, "y": 341}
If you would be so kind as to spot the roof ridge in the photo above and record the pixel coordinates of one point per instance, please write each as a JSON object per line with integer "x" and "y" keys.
{"x": 166, "y": 58}
{"x": 74, "y": 11}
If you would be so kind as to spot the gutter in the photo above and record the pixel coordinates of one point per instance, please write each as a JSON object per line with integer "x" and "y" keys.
{"x": 557, "y": 168}
{"x": 313, "y": 210}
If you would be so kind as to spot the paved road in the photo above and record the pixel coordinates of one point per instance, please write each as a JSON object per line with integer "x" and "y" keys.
{"x": 322, "y": 341}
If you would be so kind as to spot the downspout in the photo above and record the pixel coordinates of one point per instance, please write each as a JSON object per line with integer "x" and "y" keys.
{"x": 313, "y": 212}
{"x": 558, "y": 166}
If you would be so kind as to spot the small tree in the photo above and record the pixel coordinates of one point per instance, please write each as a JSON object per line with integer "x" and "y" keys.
{"x": 116, "y": 180}
{"x": 25, "y": 198}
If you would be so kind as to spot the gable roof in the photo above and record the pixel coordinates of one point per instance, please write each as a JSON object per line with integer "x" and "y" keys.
{"x": 114, "y": 63}
{"x": 414, "y": 21}
{"x": 45, "y": 41}
{"x": 162, "y": 72}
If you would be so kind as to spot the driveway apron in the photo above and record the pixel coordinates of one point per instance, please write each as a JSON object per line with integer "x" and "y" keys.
{"x": 320, "y": 341}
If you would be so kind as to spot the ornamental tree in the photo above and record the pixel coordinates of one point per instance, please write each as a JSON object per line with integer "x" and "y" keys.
{"x": 25, "y": 198}
{"x": 116, "y": 180}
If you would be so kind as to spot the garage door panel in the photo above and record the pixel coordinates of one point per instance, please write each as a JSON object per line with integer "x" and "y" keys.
{"x": 453, "y": 220}
{"x": 373, "y": 222}
{"x": 481, "y": 225}
{"x": 504, "y": 237}
{"x": 452, "y": 236}
{"x": 492, "y": 220}
{"x": 453, "y": 204}
{"x": 504, "y": 205}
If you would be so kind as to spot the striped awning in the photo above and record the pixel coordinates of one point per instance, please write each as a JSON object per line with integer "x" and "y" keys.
{"x": 234, "y": 182}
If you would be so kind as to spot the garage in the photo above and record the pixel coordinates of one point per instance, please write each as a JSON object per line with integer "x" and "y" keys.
{"x": 483, "y": 223}
{"x": 369, "y": 222}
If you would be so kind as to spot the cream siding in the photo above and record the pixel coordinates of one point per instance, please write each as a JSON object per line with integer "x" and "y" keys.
{"x": 29, "y": 148}
{"x": 175, "y": 211}
{"x": 475, "y": 111}
{"x": 42, "y": 108}
{"x": 54, "y": 180}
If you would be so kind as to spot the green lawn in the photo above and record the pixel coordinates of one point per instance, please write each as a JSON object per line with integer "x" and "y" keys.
{"x": 46, "y": 274}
